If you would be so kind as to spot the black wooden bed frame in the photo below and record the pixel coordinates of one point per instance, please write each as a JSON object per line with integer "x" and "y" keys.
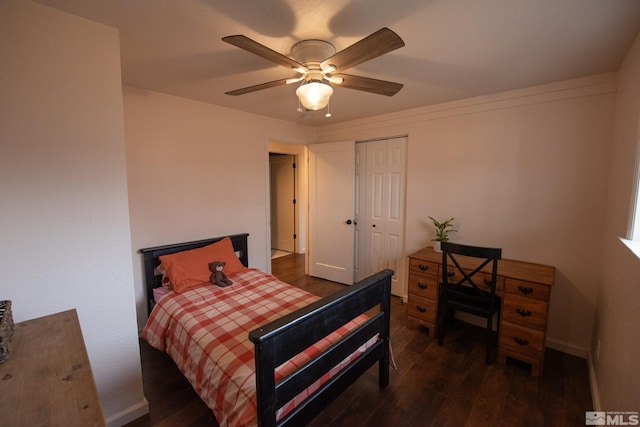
{"x": 280, "y": 340}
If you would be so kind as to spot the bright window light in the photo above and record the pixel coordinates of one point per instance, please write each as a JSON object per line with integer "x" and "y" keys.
{"x": 634, "y": 233}
{"x": 633, "y": 238}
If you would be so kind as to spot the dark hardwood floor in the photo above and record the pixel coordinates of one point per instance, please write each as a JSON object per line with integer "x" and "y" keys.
{"x": 432, "y": 385}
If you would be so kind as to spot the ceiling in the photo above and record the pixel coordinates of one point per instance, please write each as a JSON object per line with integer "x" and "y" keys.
{"x": 454, "y": 49}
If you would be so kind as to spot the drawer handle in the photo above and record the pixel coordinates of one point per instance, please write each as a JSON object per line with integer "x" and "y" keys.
{"x": 451, "y": 273}
{"x": 525, "y": 290}
{"x": 521, "y": 341}
{"x": 488, "y": 282}
{"x": 523, "y": 313}
{"x": 422, "y": 285}
{"x": 421, "y": 309}
{"x": 423, "y": 267}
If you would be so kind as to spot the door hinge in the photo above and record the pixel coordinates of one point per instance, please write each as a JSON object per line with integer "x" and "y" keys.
{"x": 294, "y": 201}
{"x": 294, "y": 236}
{"x": 294, "y": 165}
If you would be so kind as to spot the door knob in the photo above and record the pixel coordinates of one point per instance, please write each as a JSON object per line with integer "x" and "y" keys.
{"x": 349, "y": 221}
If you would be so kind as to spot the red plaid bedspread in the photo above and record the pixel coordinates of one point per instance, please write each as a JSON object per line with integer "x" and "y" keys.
{"x": 205, "y": 330}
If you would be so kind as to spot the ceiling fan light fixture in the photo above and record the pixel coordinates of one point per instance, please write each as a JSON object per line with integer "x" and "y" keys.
{"x": 314, "y": 95}
{"x": 329, "y": 69}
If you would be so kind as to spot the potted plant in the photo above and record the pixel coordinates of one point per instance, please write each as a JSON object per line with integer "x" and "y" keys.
{"x": 442, "y": 232}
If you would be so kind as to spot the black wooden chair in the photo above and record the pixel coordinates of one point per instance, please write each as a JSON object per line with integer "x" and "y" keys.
{"x": 465, "y": 288}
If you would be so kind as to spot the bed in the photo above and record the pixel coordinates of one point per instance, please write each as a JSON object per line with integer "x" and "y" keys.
{"x": 262, "y": 352}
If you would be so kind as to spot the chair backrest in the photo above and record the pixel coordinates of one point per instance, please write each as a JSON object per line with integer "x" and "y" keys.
{"x": 461, "y": 265}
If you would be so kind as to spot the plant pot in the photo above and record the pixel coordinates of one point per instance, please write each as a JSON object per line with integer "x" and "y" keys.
{"x": 436, "y": 246}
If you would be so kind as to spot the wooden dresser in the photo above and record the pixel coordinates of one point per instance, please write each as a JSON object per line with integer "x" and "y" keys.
{"x": 525, "y": 289}
{"x": 47, "y": 380}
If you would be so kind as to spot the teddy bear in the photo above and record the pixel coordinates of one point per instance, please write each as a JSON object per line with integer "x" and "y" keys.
{"x": 218, "y": 276}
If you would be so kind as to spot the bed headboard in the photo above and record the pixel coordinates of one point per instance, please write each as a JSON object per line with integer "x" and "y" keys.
{"x": 151, "y": 261}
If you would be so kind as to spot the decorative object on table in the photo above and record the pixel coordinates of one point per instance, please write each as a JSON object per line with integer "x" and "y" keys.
{"x": 6, "y": 329}
{"x": 442, "y": 232}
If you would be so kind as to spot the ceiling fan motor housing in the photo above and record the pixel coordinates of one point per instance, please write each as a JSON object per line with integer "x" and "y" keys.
{"x": 312, "y": 52}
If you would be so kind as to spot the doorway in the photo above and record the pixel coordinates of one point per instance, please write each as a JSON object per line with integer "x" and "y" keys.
{"x": 298, "y": 153}
{"x": 282, "y": 181}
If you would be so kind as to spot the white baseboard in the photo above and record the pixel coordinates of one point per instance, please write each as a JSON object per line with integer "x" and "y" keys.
{"x": 129, "y": 414}
{"x": 474, "y": 320}
{"x": 565, "y": 347}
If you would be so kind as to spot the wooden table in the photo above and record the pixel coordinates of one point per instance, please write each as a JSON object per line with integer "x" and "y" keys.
{"x": 47, "y": 380}
{"x": 525, "y": 289}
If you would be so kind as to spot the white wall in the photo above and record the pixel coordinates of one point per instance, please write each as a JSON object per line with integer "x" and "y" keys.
{"x": 196, "y": 170}
{"x": 617, "y": 371}
{"x": 64, "y": 217}
{"x": 524, "y": 170}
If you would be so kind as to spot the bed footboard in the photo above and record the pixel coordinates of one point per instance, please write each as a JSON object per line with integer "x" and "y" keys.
{"x": 280, "y": 340}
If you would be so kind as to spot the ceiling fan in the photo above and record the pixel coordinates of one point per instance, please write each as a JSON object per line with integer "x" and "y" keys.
{"x": 320, "y": 66}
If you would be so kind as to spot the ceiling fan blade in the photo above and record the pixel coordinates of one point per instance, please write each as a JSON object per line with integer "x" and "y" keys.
{"x": 255, "y": 88}
{"x": 256, "y": 48}
{"x": 372, "y": 46}
{"x": 380, "y": 87}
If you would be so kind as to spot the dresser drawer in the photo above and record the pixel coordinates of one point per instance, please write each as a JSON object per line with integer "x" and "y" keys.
{"x": 526, "y": 342}
{"x": 524, "y": 311}
{"x": 423, "y": 267}
{"x": 424, "y": 309}
{"x": 422, "y": 285}
{"x": 527, "y": 289}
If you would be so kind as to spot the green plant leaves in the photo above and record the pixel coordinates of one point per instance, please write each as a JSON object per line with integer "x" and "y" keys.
{"x": 442, "y": 229}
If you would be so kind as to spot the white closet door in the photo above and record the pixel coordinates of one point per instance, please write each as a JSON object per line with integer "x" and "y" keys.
{"x": 360, "y": 264}
{"x": 385, "y": 209}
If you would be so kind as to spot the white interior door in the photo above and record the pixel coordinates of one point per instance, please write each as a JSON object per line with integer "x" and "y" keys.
{"x": 331, "y": 211}
{"x": 282, "y": 178}
{"x": 385, "y": 210}
{"x": 360, "y": 264}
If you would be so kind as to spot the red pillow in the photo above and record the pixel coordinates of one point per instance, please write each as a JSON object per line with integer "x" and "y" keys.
{"x": 191, "y": 268}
